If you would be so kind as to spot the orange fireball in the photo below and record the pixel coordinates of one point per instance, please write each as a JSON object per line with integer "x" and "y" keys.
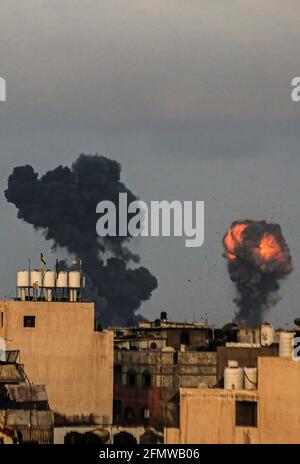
{"x": 270, "y": 249}
{"x": 233, "y": 238}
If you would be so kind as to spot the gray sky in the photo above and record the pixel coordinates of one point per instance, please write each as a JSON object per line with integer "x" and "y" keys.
{"x": 192, "y": 98}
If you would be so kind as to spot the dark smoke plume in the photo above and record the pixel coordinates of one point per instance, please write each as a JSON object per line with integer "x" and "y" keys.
{"x": 258, "y": 257}
{"x": 62, "y": 203}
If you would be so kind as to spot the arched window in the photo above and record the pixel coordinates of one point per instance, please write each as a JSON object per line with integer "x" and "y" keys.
{"x": 131, "y": 378}
{"x": 129, "y": 414}
{"x": 184, "y": 338}
{"x": 124, "y": 438}
{"x": 146, "y": 379}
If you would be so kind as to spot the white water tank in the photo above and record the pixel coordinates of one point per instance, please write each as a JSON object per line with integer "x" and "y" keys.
{"x": 62, "y": 280}
{"x": 266, "y": 335}
{"x": 23, "y": 279}
{"x": 233, "y": 378}
{"x": 250, "y": 378}
{"x": 286, "y": 344}
{"x": 36, "y": 279}
{"x": 49, "y": 279}
{"x": 232, "y": 363}
{"x": 74, "y": 279}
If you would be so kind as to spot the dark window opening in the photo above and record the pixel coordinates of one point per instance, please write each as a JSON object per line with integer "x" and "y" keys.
{"x": 129, "y": 414}
{"x": 153, "y": 346}
{"x": 117, "y": 407}
{"x": 118, "y": 375}
{"x": 184, "y": 338}
{"x": 124, "y": 438}
{"x": 246, "y": 413}
{"x": 131, "y": 378}
{"x": 1, "y": 319}
{"x": 29, "y": 321}
{"x": 146, "y": 380}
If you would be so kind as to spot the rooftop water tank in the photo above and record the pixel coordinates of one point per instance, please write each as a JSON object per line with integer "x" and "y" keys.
{"x": 233, "y": 378}
{"x": 74, "y": 279}
{"x": 286, "y": 344}
{"x": 232, "y": 363}
{"x": 266, "y": 334}
{"x": 297, "y": 321}
{"x": 62, "y": 279}
{"x": 49, "y": 279}
{"x": 36, "y": 279}
{"x": 23, "y": 279}
{"x": 250, "y": 378}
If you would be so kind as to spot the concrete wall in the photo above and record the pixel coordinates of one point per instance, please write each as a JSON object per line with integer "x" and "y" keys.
{"x": 279, "y": 397}
{"x": 63, "y": 352}
{"x": 208, "y": 415}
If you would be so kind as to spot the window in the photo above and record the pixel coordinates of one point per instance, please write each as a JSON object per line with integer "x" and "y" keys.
{"x": 146, "y": 380}
{"x": 129, "y": 414}
{"x": 184, "y": 338}
{"x": 145, "y": 413}
{"x": 131, "y": 378}
{"x": 117, "y": 407}
{"x": 118, "y": 375}
{"x": 29, "y": 321}
{"x": 1, "y": 319}
{"x": 153, "y": 346}
{"x": 246, "y": 413}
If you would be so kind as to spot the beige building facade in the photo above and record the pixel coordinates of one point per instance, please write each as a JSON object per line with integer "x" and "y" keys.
{"x": 60, "y": 349}
{"x": 270, "y": 414}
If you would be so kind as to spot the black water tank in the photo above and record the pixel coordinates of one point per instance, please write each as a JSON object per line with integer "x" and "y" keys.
{"x": 163, "y": 316}
{"x": 157, "y": 322}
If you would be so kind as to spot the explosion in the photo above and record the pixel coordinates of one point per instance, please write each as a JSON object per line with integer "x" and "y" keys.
{"x": 258, "y": 256}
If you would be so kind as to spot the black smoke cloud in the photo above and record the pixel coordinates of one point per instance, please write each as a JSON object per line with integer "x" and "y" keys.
{"x": 62, "y": 203}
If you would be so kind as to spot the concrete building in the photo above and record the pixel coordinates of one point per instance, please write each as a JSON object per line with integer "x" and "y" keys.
{"x": 25, "y": 416}
{"x": 59, "y": 348}
{"x": 152, "y": 361}
{"x": 269, "y": 414}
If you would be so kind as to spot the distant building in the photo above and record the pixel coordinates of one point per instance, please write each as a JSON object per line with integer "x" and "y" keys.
{"x": 152, "y": 361}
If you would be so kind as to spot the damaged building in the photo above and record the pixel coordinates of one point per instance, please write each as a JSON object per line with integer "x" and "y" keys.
{"x": 151, "y": 362}
{"x": 25, "y": 416}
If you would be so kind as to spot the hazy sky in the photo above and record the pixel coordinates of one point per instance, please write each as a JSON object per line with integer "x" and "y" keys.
{"x": 191, "y": 97}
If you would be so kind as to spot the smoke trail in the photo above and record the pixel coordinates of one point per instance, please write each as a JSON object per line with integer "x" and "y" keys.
{"x": 62, "y": 203}
{"x": 258, "y": 257}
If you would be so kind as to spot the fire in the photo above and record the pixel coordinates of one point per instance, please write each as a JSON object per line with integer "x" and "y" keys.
{"x": 258, "y": 258}
{"x": 270, "y": 249}
{"x": 233, "y": 239}
{"x": 258, "y": 243}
